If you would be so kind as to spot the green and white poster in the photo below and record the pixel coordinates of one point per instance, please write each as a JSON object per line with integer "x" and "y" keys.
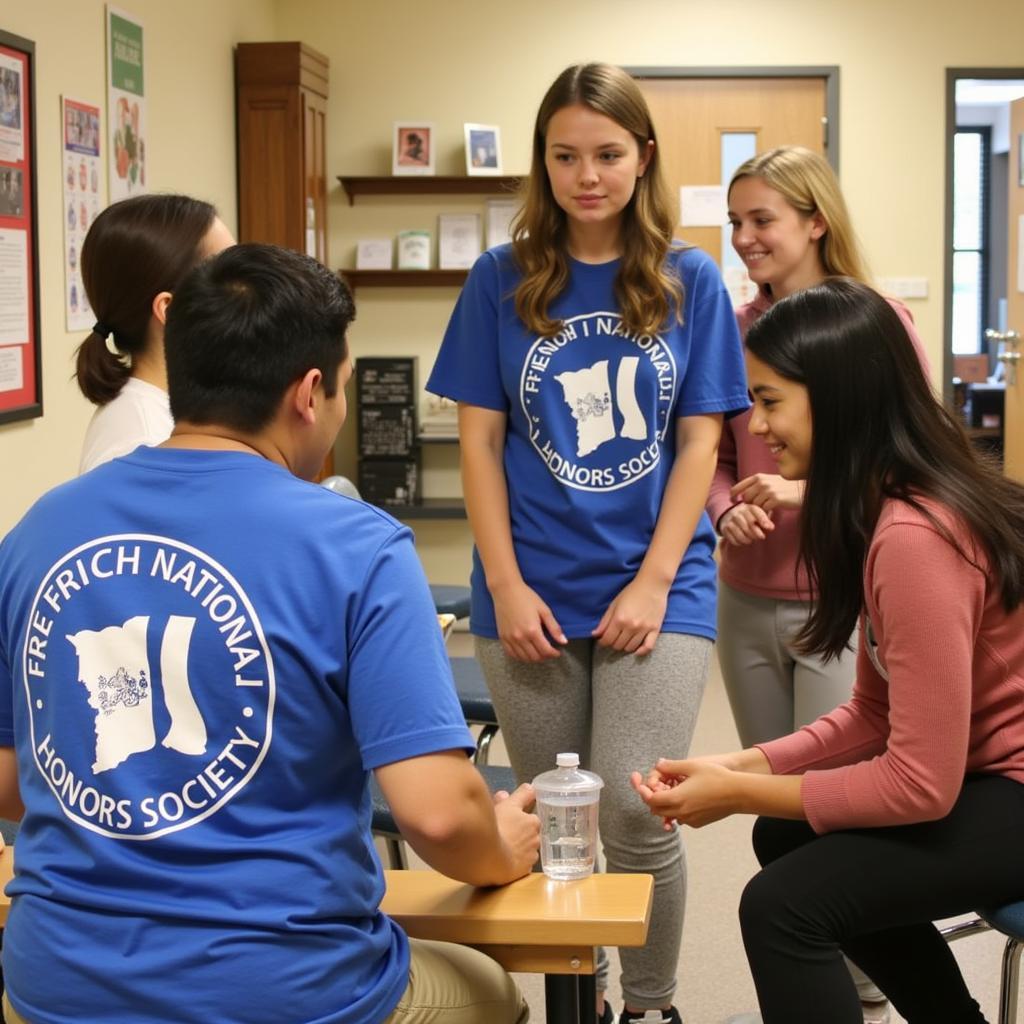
{"x": 126, "y": 106}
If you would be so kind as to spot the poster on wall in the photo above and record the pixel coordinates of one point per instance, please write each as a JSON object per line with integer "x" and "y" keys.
{"x": 80, "y": 148}
{"x": 20, "y": 383}
{"x": 126, "y": 106}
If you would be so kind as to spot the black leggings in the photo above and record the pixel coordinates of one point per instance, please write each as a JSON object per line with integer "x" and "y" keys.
{"x": 872, "y": 894}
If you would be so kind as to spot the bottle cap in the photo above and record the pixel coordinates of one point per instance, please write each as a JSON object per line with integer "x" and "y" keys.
{"x": 568, "y": 760}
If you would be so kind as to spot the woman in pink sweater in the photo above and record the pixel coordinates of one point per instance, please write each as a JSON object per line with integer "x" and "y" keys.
{"x": 905, "y": 804}
{"x": 792, "y": 230}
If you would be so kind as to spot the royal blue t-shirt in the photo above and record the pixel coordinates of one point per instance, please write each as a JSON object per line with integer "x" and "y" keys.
{"x": 591, "y": 433}
{"x": 201, "y": 659}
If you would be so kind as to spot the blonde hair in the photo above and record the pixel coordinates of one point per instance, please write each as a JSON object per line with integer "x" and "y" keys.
{"x": 807, "y": 182}
{"x": 647, "y": 295}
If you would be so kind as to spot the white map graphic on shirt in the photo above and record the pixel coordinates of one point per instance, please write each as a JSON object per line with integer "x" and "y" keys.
{"x": 587, "y": 392}
{"x": 114, "y": 668}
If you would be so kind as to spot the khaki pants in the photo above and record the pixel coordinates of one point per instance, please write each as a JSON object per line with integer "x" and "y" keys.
{"x": 451, "y": 984}
{"x": 448, "y": 984}
{"x": 10, "y": 1014}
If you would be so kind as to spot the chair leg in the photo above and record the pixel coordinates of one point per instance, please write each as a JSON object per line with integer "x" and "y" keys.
{"x": 963, "y": 929}
{"x": 396, "y": 853}
{"x": 483, "y": 744}
{"x": 1009, "y": 982}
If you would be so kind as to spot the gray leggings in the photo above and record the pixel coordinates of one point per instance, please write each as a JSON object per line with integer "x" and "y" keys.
{"x": 619, "y": 713}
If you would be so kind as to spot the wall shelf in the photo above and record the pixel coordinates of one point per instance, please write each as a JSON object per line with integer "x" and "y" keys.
{"x": 405, "y": 278}
{"x": 429, "y": 508}
{"x": 428, "y": 184}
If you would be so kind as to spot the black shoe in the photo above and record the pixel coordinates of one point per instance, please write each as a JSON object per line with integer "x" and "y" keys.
{"x": 608, "y": 1016}
{"x": 669, "y": 1016}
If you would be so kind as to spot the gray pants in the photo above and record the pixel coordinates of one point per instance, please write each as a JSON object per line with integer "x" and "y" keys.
{"x": 619, "y": 713}
{"x": 772, "y": 688}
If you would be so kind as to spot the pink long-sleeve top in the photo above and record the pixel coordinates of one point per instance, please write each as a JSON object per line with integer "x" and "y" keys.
{"x": 766, "y": 568}
{"x": 897, "y": 752}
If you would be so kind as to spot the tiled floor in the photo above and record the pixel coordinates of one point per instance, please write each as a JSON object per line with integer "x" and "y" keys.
{"x": 714, "y": 983}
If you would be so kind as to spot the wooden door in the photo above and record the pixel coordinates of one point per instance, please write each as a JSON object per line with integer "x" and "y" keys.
{"x": 692, "y": 114}
{"x": 1013, "y": 424}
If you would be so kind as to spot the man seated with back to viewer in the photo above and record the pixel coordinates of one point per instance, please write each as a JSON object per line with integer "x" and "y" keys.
{"x": 202, "y": 656}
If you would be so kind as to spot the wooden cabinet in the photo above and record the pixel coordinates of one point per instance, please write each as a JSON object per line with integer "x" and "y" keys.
{"x": 281, "y": 91}
{"x": 281, "y": 101}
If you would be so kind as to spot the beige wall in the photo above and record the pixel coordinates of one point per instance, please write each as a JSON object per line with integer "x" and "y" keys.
{"x": 478, "y": 60}
{"x": 190, "y": 148}
{"x": 452, "y": 61}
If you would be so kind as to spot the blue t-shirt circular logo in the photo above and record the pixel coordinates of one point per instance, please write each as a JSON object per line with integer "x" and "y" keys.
{"x": 597, "y": 400}
{"x": 151, "y": 701}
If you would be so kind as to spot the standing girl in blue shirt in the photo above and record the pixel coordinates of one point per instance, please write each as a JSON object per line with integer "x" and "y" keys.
{"x": 593, "y": 361}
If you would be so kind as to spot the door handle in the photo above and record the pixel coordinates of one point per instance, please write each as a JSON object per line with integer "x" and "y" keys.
{"x": 1009, "y": 355}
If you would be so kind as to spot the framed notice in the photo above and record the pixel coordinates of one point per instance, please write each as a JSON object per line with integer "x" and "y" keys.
{"x": 126, "y": 106}
{"x": 80, "y": 170}
{"x": 20, "y": 358}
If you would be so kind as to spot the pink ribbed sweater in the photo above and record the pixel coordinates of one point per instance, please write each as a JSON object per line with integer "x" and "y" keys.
{"x": 897, "y": 752}
{"x": 765, "y": 568}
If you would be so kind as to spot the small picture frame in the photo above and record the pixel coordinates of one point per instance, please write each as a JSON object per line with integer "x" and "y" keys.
{"x": 483, "y": 149}
{"x": 414, "y": 250}
{"x": 1020, "y": 159}
{"x": 458, "y": 240}
{"x": 412, "y": 148}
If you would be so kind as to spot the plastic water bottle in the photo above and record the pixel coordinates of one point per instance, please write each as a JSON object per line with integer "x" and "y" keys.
{"x": 567, "y": 801}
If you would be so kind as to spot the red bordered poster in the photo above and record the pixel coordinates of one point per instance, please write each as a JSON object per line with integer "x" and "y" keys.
{"x": 21, "y": 395}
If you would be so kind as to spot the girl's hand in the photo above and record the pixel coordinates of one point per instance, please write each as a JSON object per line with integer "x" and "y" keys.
{"x": 769, "y": 491}
{"x": 526, "y": 624}
{"x": 633, "y": 620}
{"x": 745, "y": 524}
{"x": 695, "y": 792}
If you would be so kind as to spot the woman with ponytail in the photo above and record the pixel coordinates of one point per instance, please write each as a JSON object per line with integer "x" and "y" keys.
{"x": 135, "y": 255}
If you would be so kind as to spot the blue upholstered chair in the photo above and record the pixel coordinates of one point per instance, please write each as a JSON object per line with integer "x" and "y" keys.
{"x": 477, "y": 706}
{"x": 1008, "y": 920}
{"x": 450, "y": 599}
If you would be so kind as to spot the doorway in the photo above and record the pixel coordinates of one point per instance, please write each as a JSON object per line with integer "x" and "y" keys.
{"x": 710, "y": 120}
{"x": 983, "y": 297}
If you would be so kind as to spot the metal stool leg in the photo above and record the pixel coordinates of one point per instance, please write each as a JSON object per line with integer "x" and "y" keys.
{"x": 396, "y": 853}
{"x": 483, "y": 744}
{"x": 1009, "y": 982}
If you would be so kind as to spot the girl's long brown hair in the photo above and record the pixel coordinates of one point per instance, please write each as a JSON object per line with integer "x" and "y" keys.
{"x": 877, "y": 433}
{"x": 647, "y": 294}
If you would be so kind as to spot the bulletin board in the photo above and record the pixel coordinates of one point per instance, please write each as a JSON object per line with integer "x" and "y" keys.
{"x": 21, "y": 395}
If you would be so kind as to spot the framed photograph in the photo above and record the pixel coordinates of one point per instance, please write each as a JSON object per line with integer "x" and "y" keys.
{"x": 483, "y": 149}
{"x": 21, "y": 392}
{"x": 412, "y": 148}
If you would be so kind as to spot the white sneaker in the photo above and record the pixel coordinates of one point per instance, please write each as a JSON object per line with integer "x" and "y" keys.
{"x": 876, "y": 1011}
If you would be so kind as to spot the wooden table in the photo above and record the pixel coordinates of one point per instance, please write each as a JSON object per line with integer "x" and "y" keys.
{"x": 531, "y": 926}
{"x": 534, "y": 925}
{"x": 6, "y": 874}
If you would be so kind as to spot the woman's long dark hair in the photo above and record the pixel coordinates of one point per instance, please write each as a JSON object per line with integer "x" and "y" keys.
{"x": 878, "y": 433}
{"x": 134, "y": 250}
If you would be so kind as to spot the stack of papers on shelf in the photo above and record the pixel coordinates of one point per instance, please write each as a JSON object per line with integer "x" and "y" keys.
{"x": 440, "y": 421}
